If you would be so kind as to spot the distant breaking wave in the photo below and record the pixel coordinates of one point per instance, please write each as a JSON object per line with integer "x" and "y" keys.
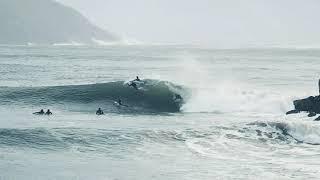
{"x": 97, "y": 42}
{"x": 120, "y": 42}
{"x": 152, "y": 96}
{"x": 73, "y": 43}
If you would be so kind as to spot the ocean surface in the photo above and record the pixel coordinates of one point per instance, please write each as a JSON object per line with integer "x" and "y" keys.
{"x": 230, "y": 124}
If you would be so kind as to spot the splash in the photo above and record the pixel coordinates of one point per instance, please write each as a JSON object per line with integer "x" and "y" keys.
{"x": 220, "y": 91}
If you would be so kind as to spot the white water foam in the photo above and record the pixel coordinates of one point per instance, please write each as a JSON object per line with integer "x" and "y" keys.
{"x": 226, "y": 94}
{"x": 115, "y": 43}
{"x": 231, "y": 97}
{"x": 71, "y": 43}
{"x": 305, "y": 131}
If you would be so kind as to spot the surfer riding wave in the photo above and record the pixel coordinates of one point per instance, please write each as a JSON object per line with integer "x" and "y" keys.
{"x": 153, "y": 96}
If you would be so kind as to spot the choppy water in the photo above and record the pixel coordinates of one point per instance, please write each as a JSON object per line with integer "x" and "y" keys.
{"x": 230, "y": 124}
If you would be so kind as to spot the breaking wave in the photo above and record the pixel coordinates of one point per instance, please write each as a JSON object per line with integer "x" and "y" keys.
{"x": 151, "y": 96}
{"x": 298, "y": 132}
{"x": 227, "y": 97}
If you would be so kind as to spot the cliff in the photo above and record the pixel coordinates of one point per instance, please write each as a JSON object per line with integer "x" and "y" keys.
{"x": 46, "y": 22}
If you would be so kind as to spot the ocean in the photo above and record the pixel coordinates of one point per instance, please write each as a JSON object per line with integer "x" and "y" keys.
{"x": 229, "y": 124}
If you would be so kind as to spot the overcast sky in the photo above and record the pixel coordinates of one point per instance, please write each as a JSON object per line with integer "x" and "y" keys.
{"x": 219, "y": 23}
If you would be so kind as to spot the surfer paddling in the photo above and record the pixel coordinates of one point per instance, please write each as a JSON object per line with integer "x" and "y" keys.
{"x": 99, "y": 112}
{"x": 41, "y": 112}
{"x": 48, "y": 112}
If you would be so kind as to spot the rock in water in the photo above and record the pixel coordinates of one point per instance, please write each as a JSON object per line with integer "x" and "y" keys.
{"x": 311, "y": 114}
{"x": 310, "y": 104}
{"x": 292, "y": 112}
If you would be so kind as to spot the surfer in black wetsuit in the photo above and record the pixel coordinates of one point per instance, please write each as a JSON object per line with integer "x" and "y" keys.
{"x": 48, "y": 112}
{"x": 134, "y": 85}
{"x": 177, "y": 97}
{"x": 41, "y": 112}
{"x": 120, "y": 102}
{"x": 99, "y": 112}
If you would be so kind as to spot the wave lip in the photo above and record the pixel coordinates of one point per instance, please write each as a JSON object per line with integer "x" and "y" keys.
{"x": 151, "y": 96}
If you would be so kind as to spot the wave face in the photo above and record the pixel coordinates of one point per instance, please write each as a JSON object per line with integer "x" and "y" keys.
{"x": 104, "y": 140}
{"x": 151, "y": 96}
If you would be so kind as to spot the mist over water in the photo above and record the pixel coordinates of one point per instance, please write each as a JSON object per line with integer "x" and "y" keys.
{"x": 213, "y": 23}
{"x": 230, "y": 124}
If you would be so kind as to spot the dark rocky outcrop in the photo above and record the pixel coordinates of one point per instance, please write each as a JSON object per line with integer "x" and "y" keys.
{"x": 292, "y": 112}
{"x": 310, "y": 104}
{"x": 312, "y": 114}
{"x": 317, "y": 119}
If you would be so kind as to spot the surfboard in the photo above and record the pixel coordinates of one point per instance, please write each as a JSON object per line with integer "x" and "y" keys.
{"x": 139, "y": 83}
{"x": 116, "y": 103}
{"x": 119, "y": 105}
{"x": 38, "y": 113}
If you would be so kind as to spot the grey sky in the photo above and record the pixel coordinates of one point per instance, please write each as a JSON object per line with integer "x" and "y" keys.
{"x": 220, "y": 23}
